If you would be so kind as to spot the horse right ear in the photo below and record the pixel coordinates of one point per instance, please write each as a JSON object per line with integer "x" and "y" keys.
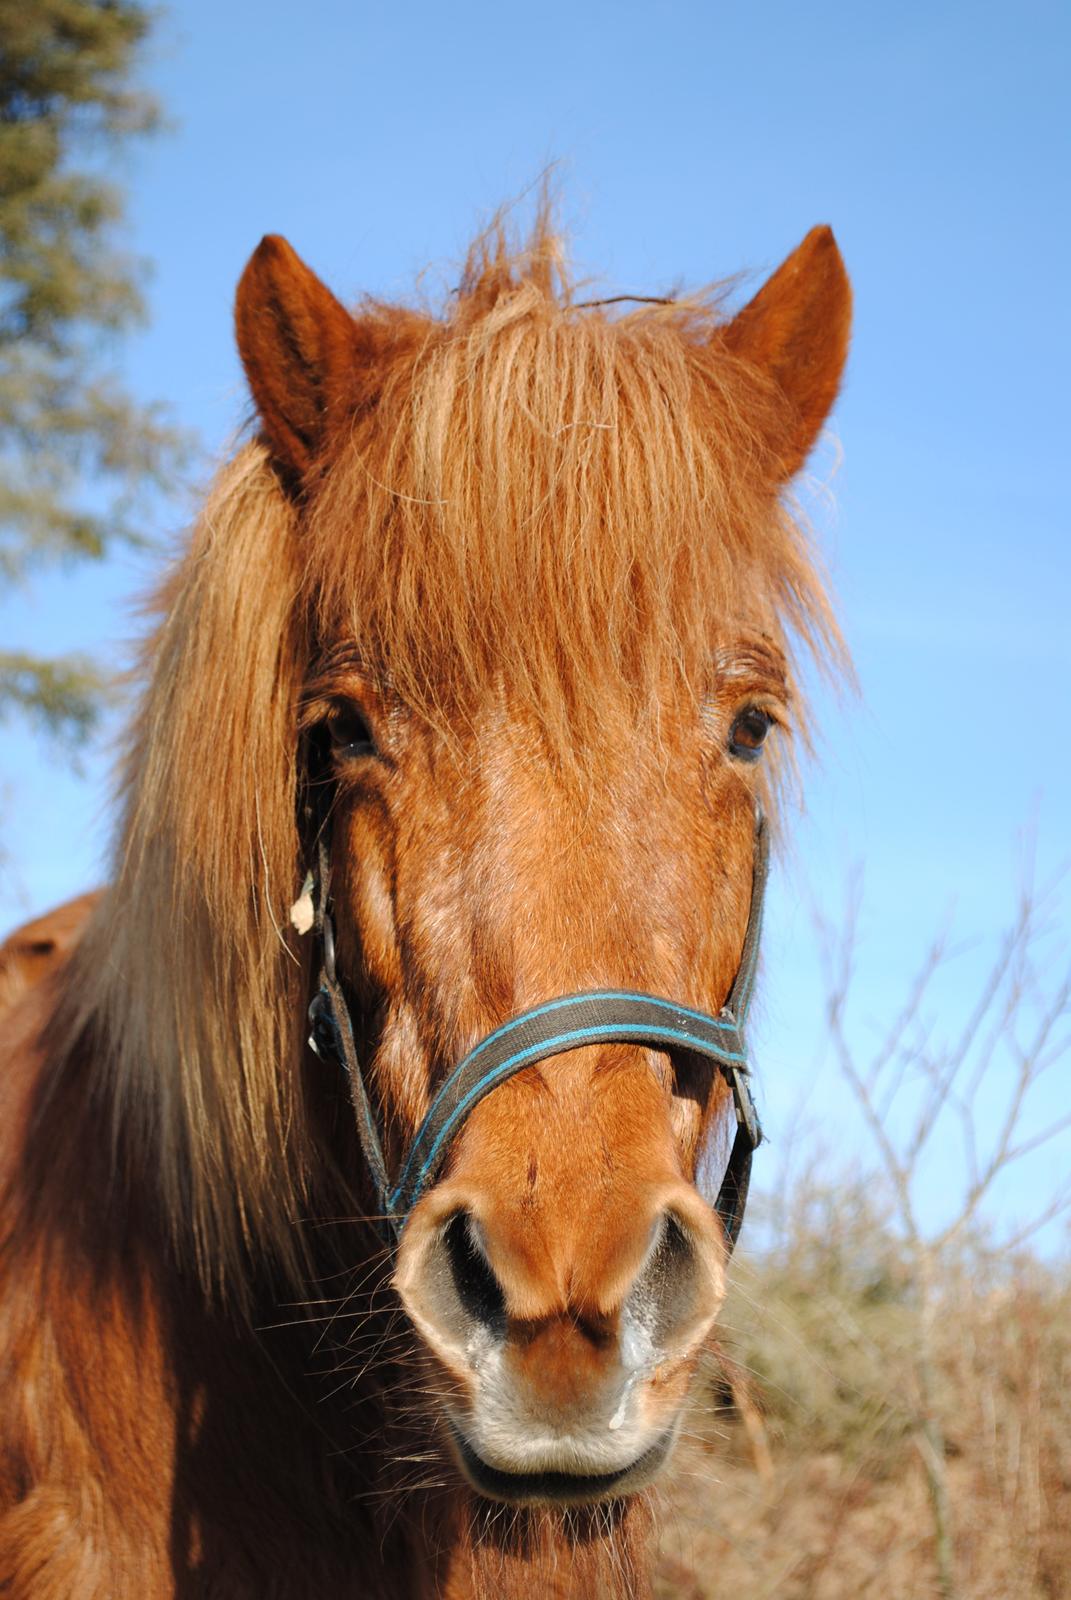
{"x": 299, "y": 347}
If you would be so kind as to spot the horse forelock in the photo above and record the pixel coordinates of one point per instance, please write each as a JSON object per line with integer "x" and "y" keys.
{"x": 575, "y": 503}
{"x": 571, "y": 504}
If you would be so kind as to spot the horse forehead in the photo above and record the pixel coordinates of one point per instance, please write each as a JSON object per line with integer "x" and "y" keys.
{"x": 498, "y": 815}
{"x": 508, "y": 796}
{"x": 570, "y": 843}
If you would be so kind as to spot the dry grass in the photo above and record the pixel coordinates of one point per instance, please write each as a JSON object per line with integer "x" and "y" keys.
{"x": 820, "y": 1494}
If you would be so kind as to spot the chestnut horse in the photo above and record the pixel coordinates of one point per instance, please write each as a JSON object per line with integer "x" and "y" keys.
{"x": 454, "y": 713}
{"x": 36, "y": 948}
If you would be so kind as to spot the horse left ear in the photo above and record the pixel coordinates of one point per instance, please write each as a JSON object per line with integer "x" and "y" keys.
{"x": 300, "y": 350}
{"x": 796, "y": 331}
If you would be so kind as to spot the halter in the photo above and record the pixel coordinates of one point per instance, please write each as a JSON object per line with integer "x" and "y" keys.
{"x": 603, "y": 1016}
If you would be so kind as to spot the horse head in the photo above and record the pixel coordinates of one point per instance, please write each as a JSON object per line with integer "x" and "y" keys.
{"x": 549, "y": 581}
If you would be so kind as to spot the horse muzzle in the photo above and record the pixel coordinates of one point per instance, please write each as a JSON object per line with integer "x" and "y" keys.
{"x": 571, "y": 1405}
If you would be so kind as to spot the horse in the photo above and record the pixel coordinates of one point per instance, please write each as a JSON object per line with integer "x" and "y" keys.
{"x": 361, "y": 1230}
{"x": 38, "y": 947}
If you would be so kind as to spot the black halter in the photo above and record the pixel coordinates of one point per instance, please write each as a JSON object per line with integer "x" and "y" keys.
{"x": 604, "y": 1016}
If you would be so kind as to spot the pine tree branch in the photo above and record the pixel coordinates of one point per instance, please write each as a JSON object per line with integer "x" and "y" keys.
{"x": 61, "y": 695}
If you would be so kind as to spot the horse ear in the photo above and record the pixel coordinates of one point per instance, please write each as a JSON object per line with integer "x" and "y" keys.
{"x": 796, "y": 330}
{"x": 299, "y": 347}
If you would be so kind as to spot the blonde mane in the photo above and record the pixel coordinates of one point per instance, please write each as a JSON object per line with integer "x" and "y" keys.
{"x": 566, "y": 502}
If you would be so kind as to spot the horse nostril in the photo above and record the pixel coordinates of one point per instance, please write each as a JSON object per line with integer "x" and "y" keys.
{"x": 476, "y": 1285}
{"x": 672, "y": 1289}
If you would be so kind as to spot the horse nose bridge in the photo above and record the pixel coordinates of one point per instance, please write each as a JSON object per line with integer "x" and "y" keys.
{"x": 584, "y": 1108}
{"x": 565, "y": 1165}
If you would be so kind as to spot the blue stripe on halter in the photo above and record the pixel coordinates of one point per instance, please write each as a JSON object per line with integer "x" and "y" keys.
{"x": 571, "y": 999}
{"x": 554, "y": 1045}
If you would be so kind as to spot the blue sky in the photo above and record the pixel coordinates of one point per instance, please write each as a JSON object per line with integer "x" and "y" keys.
{"x": 694, "y": 141}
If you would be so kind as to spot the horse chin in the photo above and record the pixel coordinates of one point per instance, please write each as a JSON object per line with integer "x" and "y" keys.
{"x": 556, "y": 1486}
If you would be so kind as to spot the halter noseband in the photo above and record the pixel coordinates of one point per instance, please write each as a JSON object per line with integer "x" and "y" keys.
{"x": 604, "y": 1016}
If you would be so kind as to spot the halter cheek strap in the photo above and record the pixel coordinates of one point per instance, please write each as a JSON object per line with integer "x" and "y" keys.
{"x": 604, "y": 1016}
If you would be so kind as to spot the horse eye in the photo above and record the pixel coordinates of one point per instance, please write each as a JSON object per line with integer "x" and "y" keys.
{"x": 350, "y": 734}
{"x": 748, "y": 733}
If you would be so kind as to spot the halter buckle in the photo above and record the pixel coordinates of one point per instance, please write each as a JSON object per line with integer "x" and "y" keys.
{"x": 327, "y": 934}
{"x": 744, "y": 1105}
